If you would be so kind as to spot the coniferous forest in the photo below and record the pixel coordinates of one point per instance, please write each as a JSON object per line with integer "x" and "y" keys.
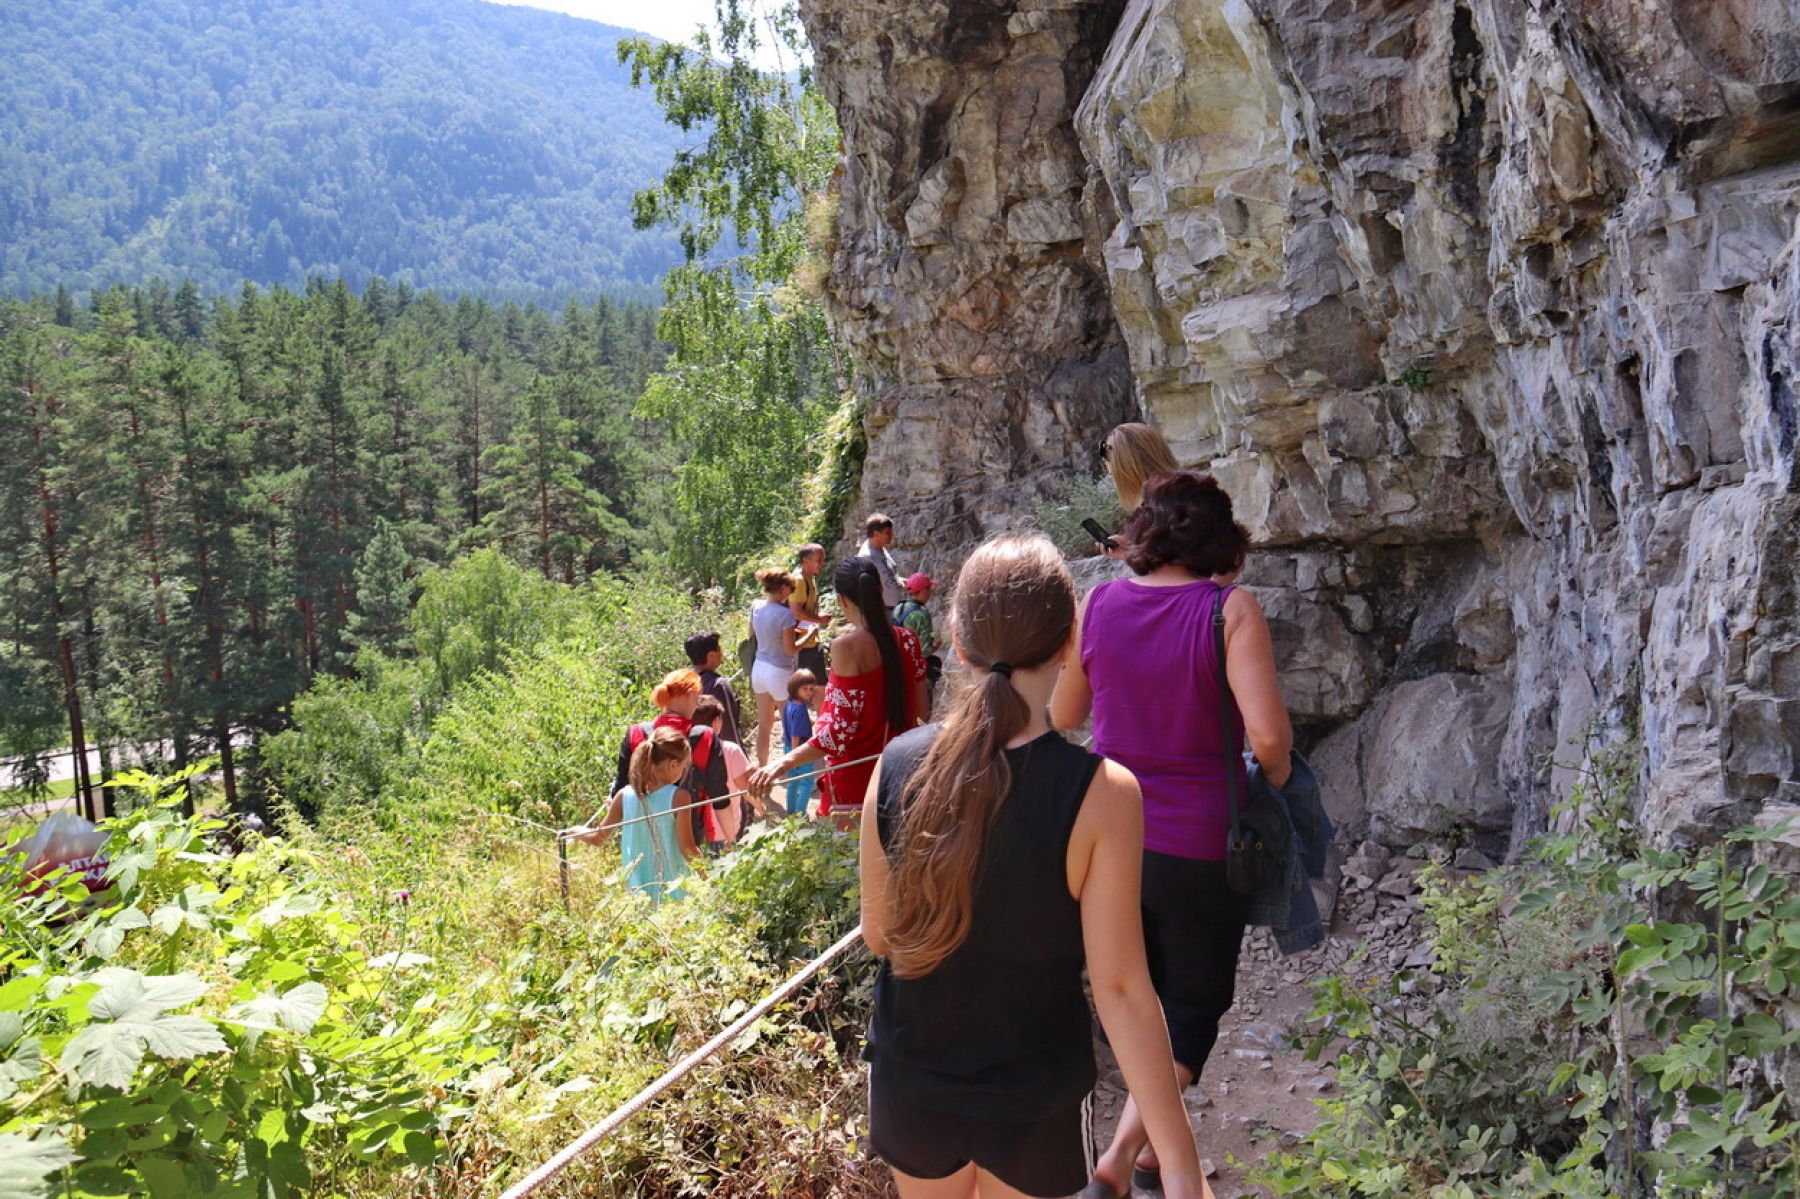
{"x": 457, "y": 145}
{"x": 204, "y": 506}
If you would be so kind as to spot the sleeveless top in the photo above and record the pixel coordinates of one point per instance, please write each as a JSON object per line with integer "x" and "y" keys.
{"x": 1000, "y": 1030}
{"x": 1150, "y": 657}
{"x": 649, "y": 849}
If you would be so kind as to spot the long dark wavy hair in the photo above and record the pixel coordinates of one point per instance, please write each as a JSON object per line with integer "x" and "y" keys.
{"x": 858, "y": 581}
{"x": 1014, "y": 603}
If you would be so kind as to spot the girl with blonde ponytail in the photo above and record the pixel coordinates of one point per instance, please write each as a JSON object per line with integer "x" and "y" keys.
{"x": 656, "y": 845}
{"x": 997, "y": 861}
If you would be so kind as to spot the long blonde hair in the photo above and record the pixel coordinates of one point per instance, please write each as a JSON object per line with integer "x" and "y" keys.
{"x": 1134, "y": 452}
{"x": 1014, "y": 603}
{"x": 661, "y": 747}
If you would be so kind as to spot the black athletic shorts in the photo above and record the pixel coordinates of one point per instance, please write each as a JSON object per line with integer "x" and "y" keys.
{"x": 1046, "y": 1158}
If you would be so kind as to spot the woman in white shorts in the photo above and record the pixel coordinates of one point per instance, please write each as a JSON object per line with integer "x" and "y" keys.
{"x": 777, "y": 630}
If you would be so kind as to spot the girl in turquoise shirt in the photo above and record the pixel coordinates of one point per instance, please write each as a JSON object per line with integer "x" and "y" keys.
{"x": 656, "y": 852}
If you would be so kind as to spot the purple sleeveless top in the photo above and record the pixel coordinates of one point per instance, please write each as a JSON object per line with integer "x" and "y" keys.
{"x": 1150, "y": 658}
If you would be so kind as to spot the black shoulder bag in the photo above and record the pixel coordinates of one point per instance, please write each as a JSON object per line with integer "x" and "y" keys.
{"x": 1256, "y": 845}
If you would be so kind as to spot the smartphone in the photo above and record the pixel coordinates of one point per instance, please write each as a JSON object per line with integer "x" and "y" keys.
{"x": 1099, "y": 534}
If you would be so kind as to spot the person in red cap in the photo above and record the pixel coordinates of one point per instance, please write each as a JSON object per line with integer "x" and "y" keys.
{"x": 911, "y": 613}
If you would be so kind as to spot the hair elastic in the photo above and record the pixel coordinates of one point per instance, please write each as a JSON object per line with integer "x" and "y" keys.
{"x": 1003, "y": 669}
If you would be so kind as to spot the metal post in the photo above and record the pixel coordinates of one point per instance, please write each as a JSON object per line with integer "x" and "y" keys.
{"x": 562, "y": 868}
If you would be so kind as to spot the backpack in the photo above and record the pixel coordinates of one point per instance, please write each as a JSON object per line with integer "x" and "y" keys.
{"x": 703, "y": 748}
{"x": 702, "y": 753}
{"x": 905, "y": 608}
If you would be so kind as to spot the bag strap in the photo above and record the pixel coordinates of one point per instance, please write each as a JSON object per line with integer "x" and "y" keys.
{"x": 1231, "y": 767}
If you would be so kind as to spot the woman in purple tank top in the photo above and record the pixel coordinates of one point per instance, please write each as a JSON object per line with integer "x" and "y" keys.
{"x": 1149, "y": 675}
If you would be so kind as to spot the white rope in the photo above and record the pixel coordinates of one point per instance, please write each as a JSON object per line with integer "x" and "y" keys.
{"x": 599, "y": 1132}
{"x": 571, "y": 834}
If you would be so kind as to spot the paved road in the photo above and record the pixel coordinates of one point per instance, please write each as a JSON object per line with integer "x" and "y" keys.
{"x": 62, "y": 765}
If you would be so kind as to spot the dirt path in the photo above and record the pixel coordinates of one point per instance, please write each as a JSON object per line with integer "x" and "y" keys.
{"x": 1257, "y": 1091}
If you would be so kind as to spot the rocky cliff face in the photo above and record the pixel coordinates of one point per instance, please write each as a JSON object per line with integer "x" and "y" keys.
{"x": 1484, "y": 310}
{"x": 983, "y": 337}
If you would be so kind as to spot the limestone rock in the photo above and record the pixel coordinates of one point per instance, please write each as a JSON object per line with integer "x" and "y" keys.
{"x": 1485, "y": 311}
{"x": 982, "y": 337}
{"x": 1495, "y": 303}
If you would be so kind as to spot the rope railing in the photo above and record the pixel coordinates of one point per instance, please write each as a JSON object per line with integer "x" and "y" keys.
{"x": 674, "y": 1074}
{"x": 708, "y": 802}
{"x": 615, "y": 1119}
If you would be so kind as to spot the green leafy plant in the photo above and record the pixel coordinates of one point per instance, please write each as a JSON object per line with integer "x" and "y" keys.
{"x": 1606, "y": 1019}
{"x": 1091, "y": 499}
{"x": 208, "y": 1025}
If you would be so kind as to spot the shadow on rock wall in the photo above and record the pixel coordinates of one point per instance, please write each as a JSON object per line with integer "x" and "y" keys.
{"x": 1484, "y": 310}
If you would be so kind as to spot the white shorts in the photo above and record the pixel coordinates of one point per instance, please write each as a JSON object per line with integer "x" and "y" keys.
{"x": 766, "y": 678}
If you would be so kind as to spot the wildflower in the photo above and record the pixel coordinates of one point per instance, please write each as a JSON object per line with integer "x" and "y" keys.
{"x": 403, "y": 896}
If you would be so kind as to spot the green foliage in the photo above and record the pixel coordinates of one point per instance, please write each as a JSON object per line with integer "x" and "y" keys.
{"x": 456, "y": 145}
{"x": 473, "y": 614}
{"x": 384, "y": 591}
{"x": 1088, "y": 499}
{"x": 1415, "y": 378}
{"x": 202, "y": 512}
{"x": 752, "y": 378}
{"x": 350, "y": 737}
{"x": 516, "y": 702}
{"x": 210, "y": 1026}
{"x": 401, "y": 1006}
{"x": 838, "y": 479}
{"x": 1606, "y": 1020}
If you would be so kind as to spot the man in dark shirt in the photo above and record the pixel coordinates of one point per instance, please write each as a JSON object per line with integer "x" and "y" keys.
{"x": 703, "y": 651}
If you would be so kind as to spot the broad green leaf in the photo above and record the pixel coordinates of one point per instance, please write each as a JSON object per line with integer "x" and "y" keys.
{"x": 127, "y": 995}
{"x": 17, "y": 994}
{"x": 22, "y": 1066}
{"x": 167, "y": 1179}
{"x": 121, "y": 1111}
{"x": 130, "y": 1014}
{"x": 181, "y": 1037}
{"x": 25, "y": 1164}
{"x": 297, "y": 1010}
{"x": 104, "y": 1055}
{"x": 421, "y": 1150}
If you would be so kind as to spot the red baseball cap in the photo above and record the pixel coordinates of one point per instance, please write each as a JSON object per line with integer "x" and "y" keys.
{"x": 918, "y": 582}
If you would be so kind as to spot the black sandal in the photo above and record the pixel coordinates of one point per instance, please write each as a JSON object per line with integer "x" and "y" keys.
{"x": 1143, "y": 1179}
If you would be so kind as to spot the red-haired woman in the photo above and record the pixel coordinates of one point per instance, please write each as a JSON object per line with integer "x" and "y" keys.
{"x": 706, "y": 777}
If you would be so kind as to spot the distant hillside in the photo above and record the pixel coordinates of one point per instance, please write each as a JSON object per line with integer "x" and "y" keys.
{"x": 454, "y": 144}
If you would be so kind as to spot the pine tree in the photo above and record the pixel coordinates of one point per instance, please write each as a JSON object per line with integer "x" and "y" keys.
{"x": 539, "y": 507}
{"x": 43, "y": 515}
{"x": 190, "y": 314}
{"x": 384, "y": 593}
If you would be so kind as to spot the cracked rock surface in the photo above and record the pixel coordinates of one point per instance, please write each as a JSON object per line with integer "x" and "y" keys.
{"x": 1484, "y": 310}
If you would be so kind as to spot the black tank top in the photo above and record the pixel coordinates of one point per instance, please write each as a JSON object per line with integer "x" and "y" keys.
{"x": 1000, "y": 1030}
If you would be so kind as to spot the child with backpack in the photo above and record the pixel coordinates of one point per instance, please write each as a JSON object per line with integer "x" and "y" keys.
{"x": 731, "y": 822}
{"x": 676, "y": 696}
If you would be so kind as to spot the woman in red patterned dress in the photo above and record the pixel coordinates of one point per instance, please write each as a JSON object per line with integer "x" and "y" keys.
{"x": 875, "y": 692}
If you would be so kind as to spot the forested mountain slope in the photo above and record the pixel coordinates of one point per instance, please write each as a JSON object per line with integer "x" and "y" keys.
{"x": 455, "y": 144}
